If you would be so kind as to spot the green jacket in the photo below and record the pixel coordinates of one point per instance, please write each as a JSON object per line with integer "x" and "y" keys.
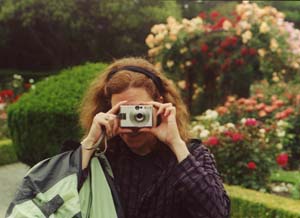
{"x": 51, "y": 189}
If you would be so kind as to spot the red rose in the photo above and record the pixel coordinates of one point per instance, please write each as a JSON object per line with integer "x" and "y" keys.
{"x": 282, "y": 159}
{"x": 27, "y": 85}
{"x": 202, "y": 15}
{"x": 7, "y": 93}
{"x": 228, "y": 133}
{"x": 252, "y": 51}
{"x": 251, "y": 165}
{"x": 236, "y": 137}
{"x": 244, "y": 51}
{"x": 225, "y": 43}
{"x": 239, "y": 62}
{"x": 219, "y": 24}
{"x": 251, "y": 122}
{"x": 278, "y": 103}
{"x": 194, "y": 61}
{"x": 212, "y": 141}
{"x": 16, "y": 98}
{"x": 233, "y": 40}
{"x": 219, "y": 51}
{"x": 289, "y": 110}
{"x": 214, "y": 15}
{"x": 204, "y": 48}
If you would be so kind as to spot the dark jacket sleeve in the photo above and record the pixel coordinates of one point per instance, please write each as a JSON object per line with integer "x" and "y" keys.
{"x": 201, "y": 186}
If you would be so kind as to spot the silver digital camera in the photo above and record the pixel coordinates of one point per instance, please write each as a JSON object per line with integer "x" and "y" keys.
{"x": 136, "y": 116}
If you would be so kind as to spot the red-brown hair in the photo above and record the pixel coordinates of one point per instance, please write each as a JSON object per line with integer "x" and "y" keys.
{"x": 98, "y": 96}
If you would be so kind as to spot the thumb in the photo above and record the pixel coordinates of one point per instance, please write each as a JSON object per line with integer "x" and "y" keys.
{"x": 151, "y": 130}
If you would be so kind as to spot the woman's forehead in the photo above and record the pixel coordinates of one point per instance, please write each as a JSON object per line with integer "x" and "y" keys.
{"x": 132, "y": 96}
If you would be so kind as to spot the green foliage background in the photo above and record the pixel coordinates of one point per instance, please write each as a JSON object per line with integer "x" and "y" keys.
{"x": 42, "y": 119}
{"x": 43, "y": 35}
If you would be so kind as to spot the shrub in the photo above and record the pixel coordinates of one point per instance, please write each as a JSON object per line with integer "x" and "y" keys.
{"x": 251, "y": 204}
{"x": 46, "y": 116}
{"x": 246, "y": 132}
{"x": 7, "y": 152}
{"x": 244, "y": 151}
{"x": 287, "y": 112}
{"x": 277, "y": 105}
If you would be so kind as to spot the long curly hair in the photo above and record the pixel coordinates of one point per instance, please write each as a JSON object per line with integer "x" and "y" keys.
{"x": 98, "y": 96}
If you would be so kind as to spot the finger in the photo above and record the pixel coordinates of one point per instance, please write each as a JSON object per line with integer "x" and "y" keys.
{"x": 163, "y": 107}
{"x": 153, "y": 130}
{"x": 107, "y": 128}
{"x": 145, "y": 129}
{"x": 116, "y": 107}
{"x": 105, "y": 121}
{"x": 154, "y": 103}
{"x": 111, "y": 116}
{"x": 169, "y": 110}
{"x": 115, "y": 127}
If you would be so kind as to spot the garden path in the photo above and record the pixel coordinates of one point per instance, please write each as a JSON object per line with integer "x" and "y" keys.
{"x": 10, "y": 178}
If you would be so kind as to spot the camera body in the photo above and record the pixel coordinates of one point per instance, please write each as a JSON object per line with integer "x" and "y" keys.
{"x": 136, "y": 116}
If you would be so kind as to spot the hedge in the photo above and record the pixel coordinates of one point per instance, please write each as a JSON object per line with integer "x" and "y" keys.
{"x": 42, "y": 119}
{"x": 246, "y": 203}
{"x": 7, "y": 152}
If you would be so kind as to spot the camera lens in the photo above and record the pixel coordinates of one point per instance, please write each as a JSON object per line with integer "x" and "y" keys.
{"x": 139, "y": 117}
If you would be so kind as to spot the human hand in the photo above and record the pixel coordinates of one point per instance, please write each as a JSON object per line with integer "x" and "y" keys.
{"x": 167, "y": 131}
{"x": 107, "y": 122}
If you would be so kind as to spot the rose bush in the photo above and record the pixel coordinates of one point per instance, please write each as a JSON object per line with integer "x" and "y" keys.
{"x": 8, "y": 96}
{"x": 211, "y": 56}
{"x": 252, "y": 136}
{"x": 277, "y": 105}
{"x": 245, "y": 151}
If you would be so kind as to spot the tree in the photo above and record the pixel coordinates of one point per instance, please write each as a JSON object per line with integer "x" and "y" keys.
{"x": 52, "y": 34}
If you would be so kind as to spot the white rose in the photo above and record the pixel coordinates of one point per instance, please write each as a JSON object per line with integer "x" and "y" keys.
{"x": 170, "y": 63}
{"x": 262, "y": 52}
{"x": 2, "y": 106}
{"x": 198, "y": 128}
{"x": 230, "y": 125}
{"x": 226, "y": 25}
{"x": 264, "y": 28}
{"x": 282, "y": 123}
{"x": 262, "y": 131}
{"x": 183, "y": 50}
{"x": 222, "y": 128}
{"x": 246, "y": 36}
{"x": 168, "y": 45}
{"x": 188, "y": 63}
{"x": 215, "y": 125}
{"x": 280, "y": 133}
{"x": 204, "y": 133}
{"x": 279, "y": 146}
{"x": 273, "y": 44}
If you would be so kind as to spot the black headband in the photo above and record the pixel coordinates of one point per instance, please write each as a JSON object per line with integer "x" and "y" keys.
{"x": 157, "y": 81}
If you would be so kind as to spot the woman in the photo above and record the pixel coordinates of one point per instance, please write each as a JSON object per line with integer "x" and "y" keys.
{"x": 157, "y": 170}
